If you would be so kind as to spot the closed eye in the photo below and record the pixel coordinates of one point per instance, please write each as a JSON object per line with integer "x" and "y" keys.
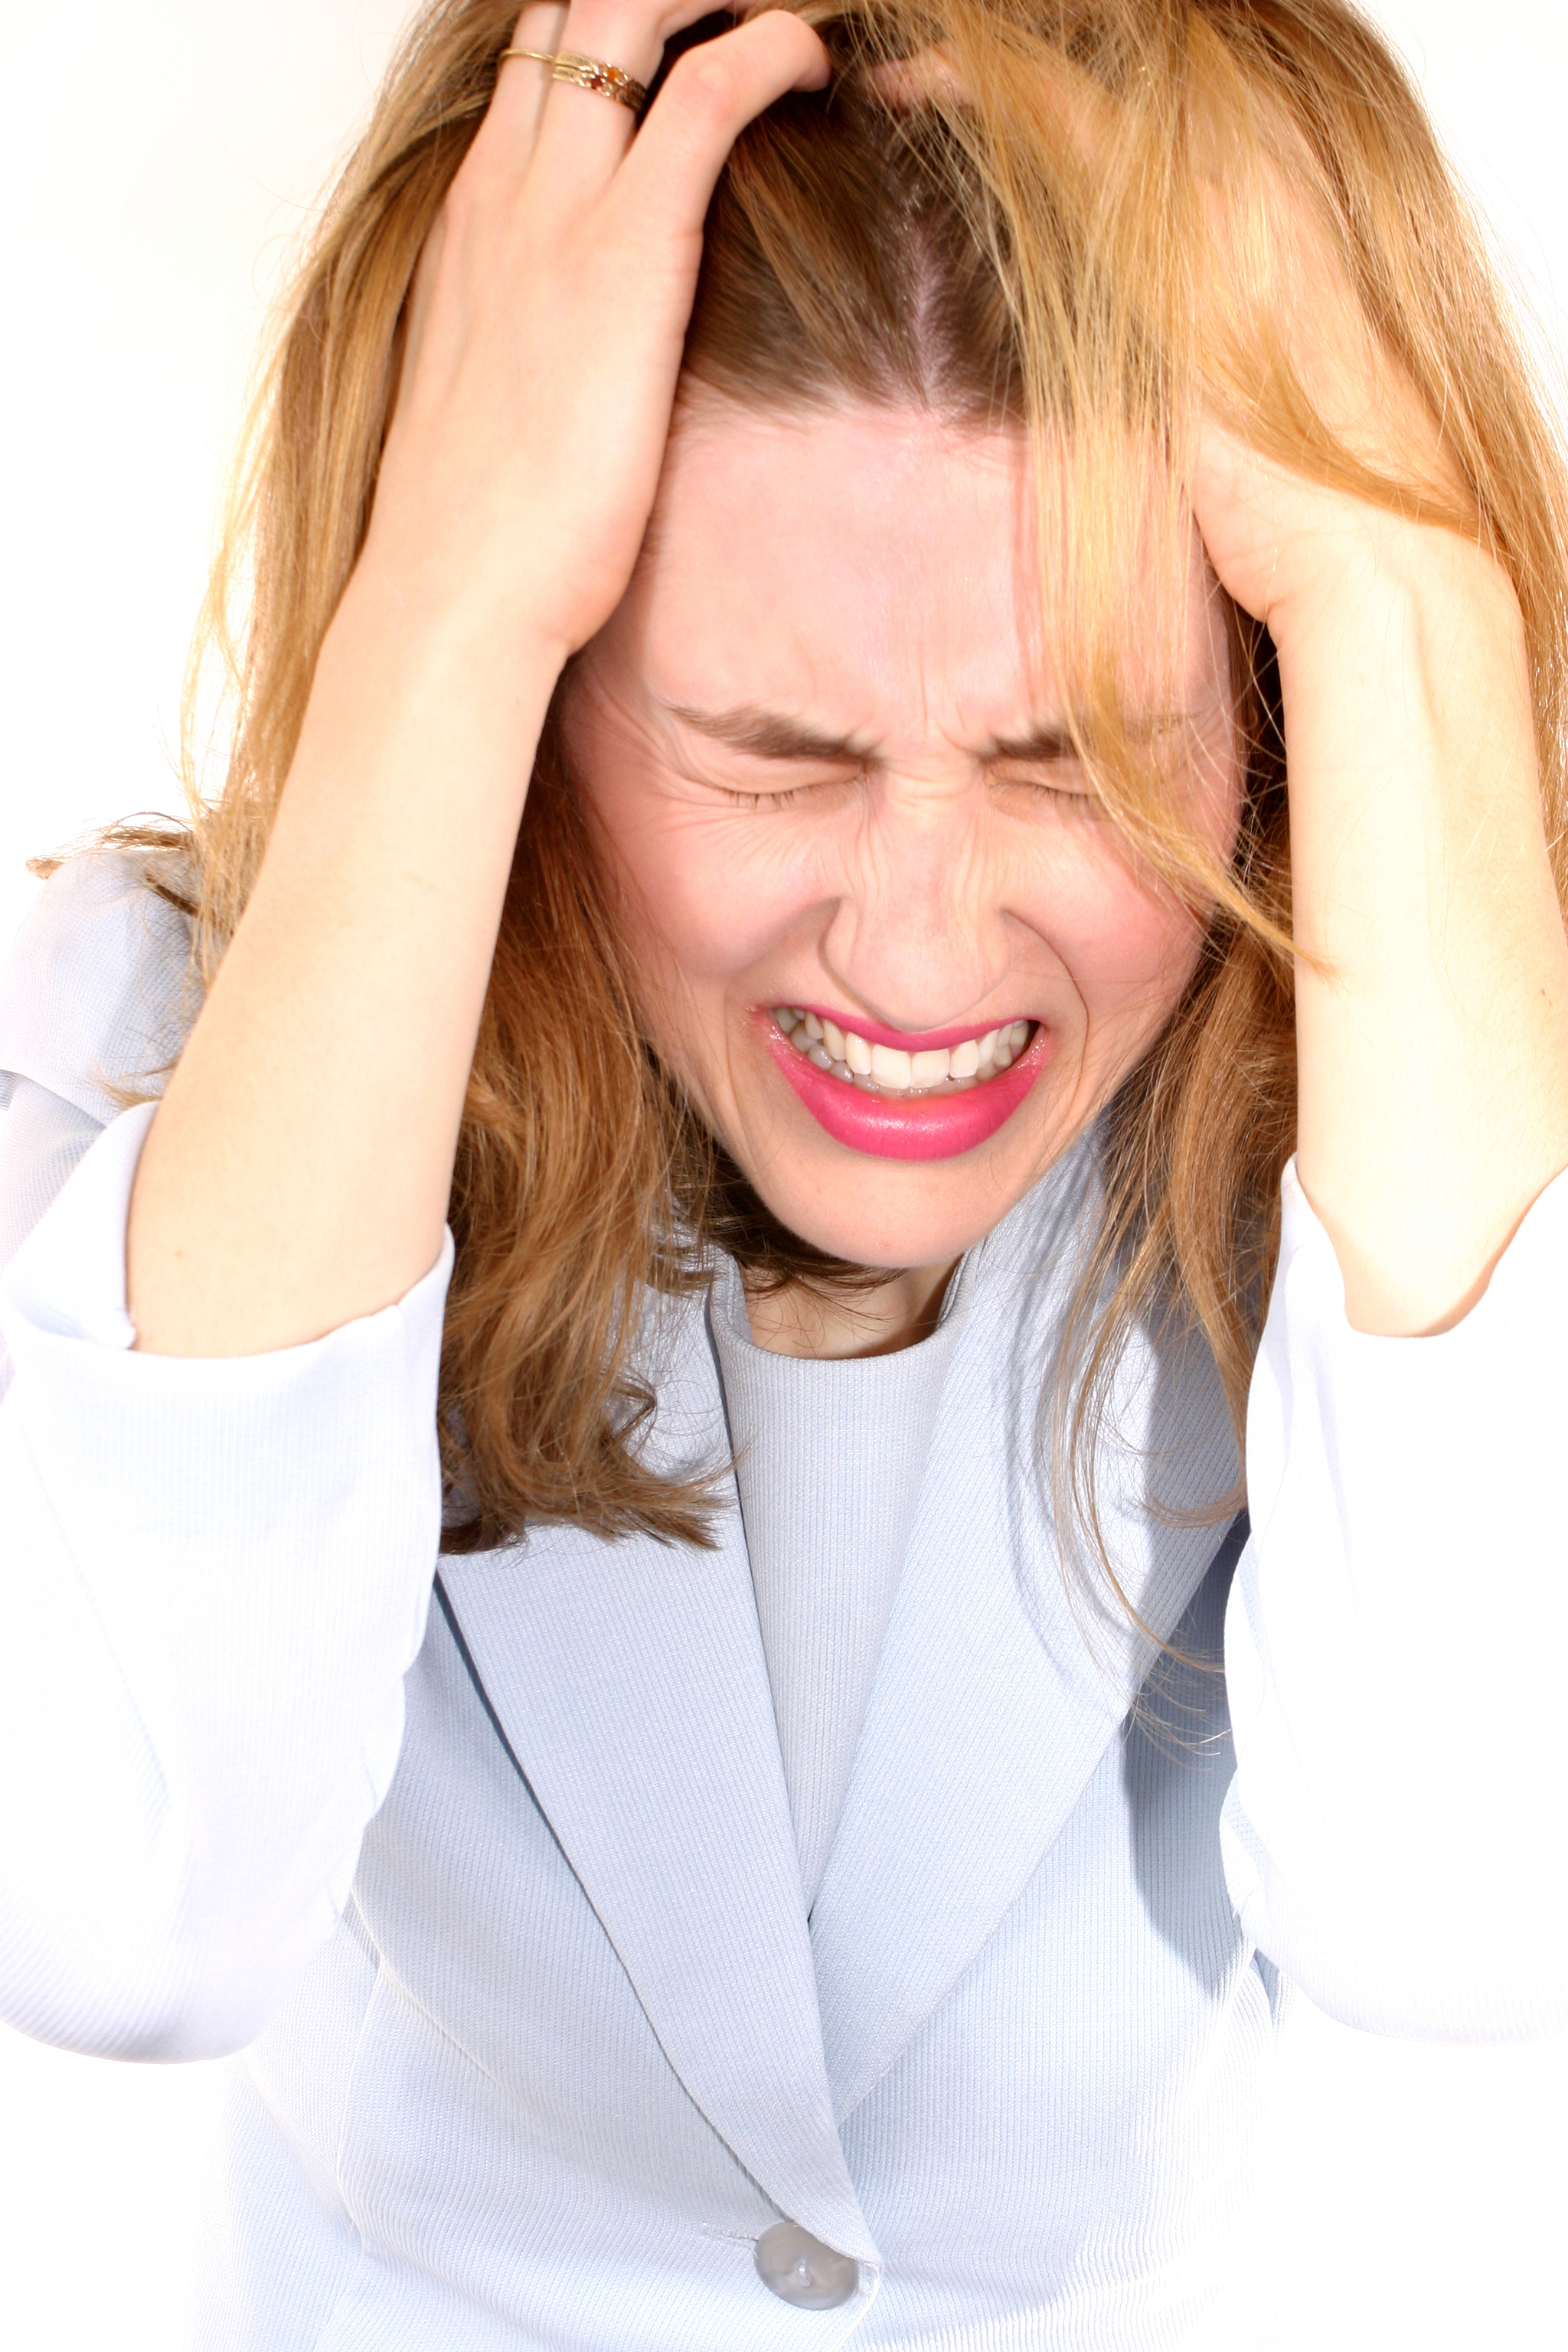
{"x": 780, "y": 795}
{"x": 788, "y": 798}
{"x": 1060, "y": 781}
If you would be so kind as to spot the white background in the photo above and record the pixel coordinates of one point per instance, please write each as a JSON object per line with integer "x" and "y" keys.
{"x": 158, "y": 165}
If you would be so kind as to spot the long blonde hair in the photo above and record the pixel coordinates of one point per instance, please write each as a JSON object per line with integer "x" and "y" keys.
{"x": 1026, "y": 235}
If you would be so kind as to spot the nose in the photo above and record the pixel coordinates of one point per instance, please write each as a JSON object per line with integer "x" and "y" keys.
{"x": 918, "y": 935}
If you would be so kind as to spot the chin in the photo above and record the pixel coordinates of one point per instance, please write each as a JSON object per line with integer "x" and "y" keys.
{"x": 891, "y": 1217}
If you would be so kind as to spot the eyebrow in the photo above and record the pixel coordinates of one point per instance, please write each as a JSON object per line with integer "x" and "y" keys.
{"x": 769, "y": 734}
{"x": 773, "y": 735}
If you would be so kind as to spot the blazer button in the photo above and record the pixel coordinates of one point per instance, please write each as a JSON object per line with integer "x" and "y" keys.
{"x": 803, "y": 2270}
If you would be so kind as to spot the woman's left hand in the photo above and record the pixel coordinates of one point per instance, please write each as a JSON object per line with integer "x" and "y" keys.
{"x": 1432, "y": 992}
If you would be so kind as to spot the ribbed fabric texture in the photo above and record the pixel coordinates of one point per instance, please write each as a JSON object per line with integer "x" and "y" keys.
{"x": 828, "y": 1459}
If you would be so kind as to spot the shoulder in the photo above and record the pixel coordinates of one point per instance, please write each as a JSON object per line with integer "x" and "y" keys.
{"x": 98, "y": 993}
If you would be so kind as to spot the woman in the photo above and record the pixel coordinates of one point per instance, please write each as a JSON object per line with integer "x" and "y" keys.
{"x": 901, "y": 742}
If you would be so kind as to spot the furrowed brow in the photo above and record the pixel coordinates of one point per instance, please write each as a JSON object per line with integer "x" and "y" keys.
{"x": 773, "y": 735}
{"x": 770, "y": 735}
{"x": 1042, "y": 744}
{"x": 1038, "y": 748}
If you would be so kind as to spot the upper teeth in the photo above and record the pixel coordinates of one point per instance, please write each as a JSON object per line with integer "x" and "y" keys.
{"x": 889, "y": 1069}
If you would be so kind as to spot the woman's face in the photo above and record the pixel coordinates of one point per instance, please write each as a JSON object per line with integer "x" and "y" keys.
{"x": 823, "y": 748}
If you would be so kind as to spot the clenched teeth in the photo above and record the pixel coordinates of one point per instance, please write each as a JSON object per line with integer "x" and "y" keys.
{"x": 889, "y": 1069}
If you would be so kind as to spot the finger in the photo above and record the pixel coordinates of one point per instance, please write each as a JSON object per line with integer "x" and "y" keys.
{"x": 511, "y": 124}
{"x": 523, "y": 83}
{"x": 711, "y": 94}
{"x": 585, "y": 134}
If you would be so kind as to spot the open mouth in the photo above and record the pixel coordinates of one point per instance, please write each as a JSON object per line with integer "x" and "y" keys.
{"x": 880, "y": 1069}
{"x": 932, "y": 1101}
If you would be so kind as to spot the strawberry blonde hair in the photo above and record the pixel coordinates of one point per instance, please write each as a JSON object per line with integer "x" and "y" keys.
{"x": 1065, "y": 214}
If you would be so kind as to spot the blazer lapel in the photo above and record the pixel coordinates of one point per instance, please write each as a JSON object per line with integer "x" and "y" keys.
{"x": 997, "y": 1696}
{"x": 630, "y": 1683}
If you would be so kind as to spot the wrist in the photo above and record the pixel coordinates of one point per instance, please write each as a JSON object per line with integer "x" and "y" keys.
{"x": 1385, "y": 585}
{"x": 427, "y": 629}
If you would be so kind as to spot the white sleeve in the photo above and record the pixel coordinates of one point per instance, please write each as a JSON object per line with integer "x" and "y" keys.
{"x": 1396, "y": 1643}
{"x": 42, "y": 1138}
{"x": 213, "y": 1575}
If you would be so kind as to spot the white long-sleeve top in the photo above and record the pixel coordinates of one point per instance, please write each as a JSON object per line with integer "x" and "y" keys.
{"x": 217, "y": 1578}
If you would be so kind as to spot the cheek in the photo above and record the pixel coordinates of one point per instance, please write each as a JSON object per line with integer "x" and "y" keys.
{"x": 1127, "y": 946}
{"x": 701, "y": 893}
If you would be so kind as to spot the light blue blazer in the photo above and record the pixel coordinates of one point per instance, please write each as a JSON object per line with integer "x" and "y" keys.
{"x": 495, "y": 1879}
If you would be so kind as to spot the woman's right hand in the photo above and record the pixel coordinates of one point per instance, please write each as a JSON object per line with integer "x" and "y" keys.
{"x": 297, "y": 1175}
{"x": 549, "y": 313}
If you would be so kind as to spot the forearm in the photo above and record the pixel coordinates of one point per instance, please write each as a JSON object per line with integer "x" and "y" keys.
{"x": 296, "y": 1174}
{"x": 1432, "y": 997}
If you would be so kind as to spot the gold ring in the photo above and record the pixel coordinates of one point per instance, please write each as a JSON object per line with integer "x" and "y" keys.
{"x": 589, "y": 73}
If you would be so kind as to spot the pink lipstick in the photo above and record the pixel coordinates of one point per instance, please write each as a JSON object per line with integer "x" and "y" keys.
{"x": 954, "y": 1105}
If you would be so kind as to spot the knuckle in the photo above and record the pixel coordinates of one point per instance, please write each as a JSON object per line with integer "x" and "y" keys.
{"x": 710, "y": 84}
